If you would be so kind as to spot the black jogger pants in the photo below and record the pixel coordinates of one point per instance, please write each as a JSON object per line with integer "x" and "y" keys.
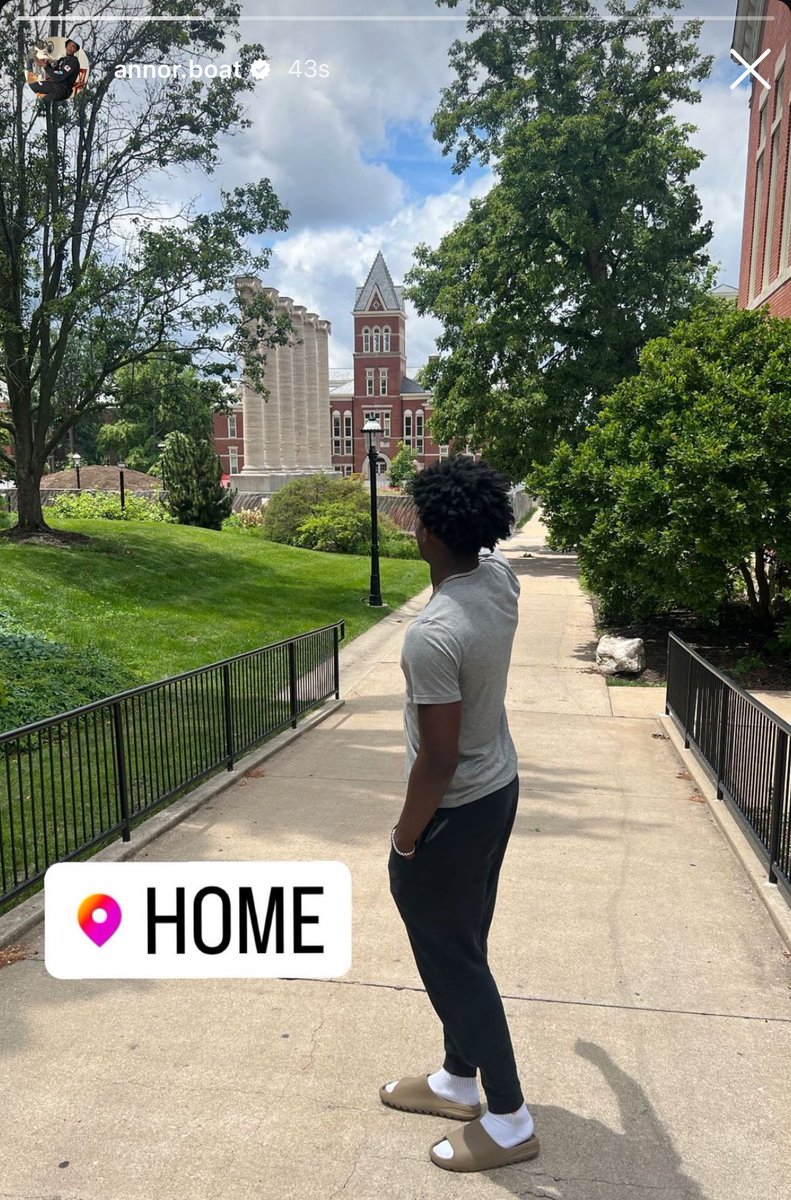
{"x": 446, "y": 896}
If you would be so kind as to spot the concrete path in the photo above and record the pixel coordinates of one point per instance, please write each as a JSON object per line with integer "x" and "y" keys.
{"x": 647, "y": 990}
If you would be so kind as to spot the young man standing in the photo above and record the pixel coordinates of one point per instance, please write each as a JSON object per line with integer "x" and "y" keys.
{"x": 450, "y": 840}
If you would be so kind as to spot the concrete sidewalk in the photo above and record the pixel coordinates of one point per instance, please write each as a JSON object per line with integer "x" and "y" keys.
{"x": 646, "y": 987}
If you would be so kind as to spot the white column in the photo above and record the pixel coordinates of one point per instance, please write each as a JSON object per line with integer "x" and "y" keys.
{"x": 252, "y": 400}
{"x": 301, "y": 458}
{"x": 322, "y": 454}
{"x": 285, "y": 358}
{"x": 315, "y": 458}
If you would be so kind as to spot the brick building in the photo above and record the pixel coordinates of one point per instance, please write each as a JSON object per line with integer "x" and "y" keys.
{"x": 378, "y": 384}
{"x": 765, "y": 274}
{"x": 229, "y": 439}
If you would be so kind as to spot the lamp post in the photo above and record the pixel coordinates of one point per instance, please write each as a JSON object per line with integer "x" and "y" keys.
{"x": 372, "y": 430}
{"x": 77, "y": 459}
{"x": 121, "y": 469}
{"x": 161, "y": 447}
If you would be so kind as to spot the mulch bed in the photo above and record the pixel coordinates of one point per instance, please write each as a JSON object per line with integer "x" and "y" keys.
{"x": 725, "y": 644}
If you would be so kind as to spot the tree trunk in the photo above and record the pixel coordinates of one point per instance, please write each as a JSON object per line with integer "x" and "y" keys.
{"x": 30, "y": 513}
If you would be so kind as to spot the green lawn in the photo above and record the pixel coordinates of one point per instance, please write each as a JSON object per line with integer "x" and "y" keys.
{"x": 160, "y": 599}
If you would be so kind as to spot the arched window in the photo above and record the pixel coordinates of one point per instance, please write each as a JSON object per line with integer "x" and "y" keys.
{"x": 377, "y": 339}
{"x": 348, "y": 434}
{"x": 386, "y": 338}
{"x": 419, "y": 431}
{"x": 407, "y": 428}
{"x": 336, "y": 433}
{"x": 366, "y": 340}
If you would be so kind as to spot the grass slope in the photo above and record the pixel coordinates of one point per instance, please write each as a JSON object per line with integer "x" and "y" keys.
{"x": 160, "y": 599}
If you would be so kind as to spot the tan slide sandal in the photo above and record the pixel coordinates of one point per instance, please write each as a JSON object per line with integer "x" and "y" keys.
{"x": 414, "y": 1095}
{"x": 474, "y": 1150}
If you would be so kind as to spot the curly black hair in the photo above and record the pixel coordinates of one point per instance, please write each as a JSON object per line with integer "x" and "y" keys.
{"x": 464, "y": 503}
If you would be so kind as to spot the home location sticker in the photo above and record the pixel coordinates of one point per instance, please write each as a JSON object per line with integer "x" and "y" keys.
{"x": 196, "y": 920}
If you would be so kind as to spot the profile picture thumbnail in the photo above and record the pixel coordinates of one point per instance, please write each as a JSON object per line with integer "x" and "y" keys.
{"x": 57, "y": 69}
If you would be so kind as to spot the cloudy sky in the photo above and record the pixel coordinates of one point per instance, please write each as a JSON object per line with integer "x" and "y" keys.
{"x": 350, "y": 151}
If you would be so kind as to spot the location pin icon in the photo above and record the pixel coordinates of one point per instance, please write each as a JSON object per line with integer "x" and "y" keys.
{"x": 99, "y": 917}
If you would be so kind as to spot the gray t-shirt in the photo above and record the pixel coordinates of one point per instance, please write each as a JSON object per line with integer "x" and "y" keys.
{"x": 459, "y": 648}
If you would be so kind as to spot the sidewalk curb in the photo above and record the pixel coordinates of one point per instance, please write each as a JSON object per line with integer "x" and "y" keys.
{"x": 754, "y": 868}
{"x": 27, "y": 914}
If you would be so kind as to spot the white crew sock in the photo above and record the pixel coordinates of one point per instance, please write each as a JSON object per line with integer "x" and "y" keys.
{"x": 461, "y": 1089}
{"x": 507, "y": 1129}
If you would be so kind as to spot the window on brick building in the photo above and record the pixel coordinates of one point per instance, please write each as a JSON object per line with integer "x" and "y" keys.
{"x": 757, "y": 224}
{"x": 369, "y": 381}
{"x": 419, "y": 431}
{"x": 366, "y": 340}
{"x": 386, "y": 338}
{"x": 383, "y": 381}
{"x": 377, "y": 339}
{"x": 771, "y": 208}
{"x": 348, "y": 434}
{"x": 336, "y": 433}
{"x": 444, "y": 451}
{"x": 232, "y": 425}
{"x": 383, "y": 417}
{"x": 408, "y": 429}
{"x": 233, "y": 459}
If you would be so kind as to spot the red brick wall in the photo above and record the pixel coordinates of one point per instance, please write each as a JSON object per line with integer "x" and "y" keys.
{"x": 775, "y": 293}
{"x": 222, "y": 442}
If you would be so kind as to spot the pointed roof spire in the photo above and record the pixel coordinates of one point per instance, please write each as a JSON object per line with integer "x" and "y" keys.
{"x": 379, "y": 279}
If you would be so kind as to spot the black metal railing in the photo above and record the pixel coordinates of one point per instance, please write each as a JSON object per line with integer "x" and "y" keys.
{"x": 744, "y": 746}
{"x": 72, "y": 782}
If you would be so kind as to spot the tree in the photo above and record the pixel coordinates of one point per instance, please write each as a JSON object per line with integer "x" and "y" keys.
{"x": 402, "y": 468}
{"x": 92, "y": 278}
{"x": 161, "y": 396}
{"x": 681, "y": 492}
{"x": 192, "y": 473}
{"x": 590, "y": 241}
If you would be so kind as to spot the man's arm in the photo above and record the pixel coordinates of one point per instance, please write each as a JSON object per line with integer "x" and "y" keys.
{"x": 439, "y": 726}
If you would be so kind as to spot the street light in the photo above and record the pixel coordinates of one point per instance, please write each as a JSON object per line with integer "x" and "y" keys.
{"x": 121, "y": 469}
{"x": 372, "y": 430}
{"x": 77, "y": 459}
{"x": 162, "y": 447}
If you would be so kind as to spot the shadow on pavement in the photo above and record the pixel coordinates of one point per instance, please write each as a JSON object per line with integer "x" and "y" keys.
{"x": 583, "y": 1159}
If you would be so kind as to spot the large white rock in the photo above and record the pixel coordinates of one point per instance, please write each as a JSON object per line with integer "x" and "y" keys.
{"x": 619, "y": 655}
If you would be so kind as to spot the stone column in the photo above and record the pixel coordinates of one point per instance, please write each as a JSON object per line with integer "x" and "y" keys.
{"x": 285, "y": 358}
{"x": 301, "y": 426}
{"x": 252, "y": 401}
{"x": 322, "y": 453}
{"x": 312, "y": 402}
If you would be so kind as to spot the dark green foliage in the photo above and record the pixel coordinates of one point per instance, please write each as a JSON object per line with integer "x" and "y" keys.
{"x": 161, "y": 396}
{"x": 590, "y": 242}
{"x": 402, "y": 468}
{"x": 192, "y": 473}
{"x": 681, "y": 492}
{"x": 289, "y": 508}
{"x": 322, "y": 513}
{"x": 41, "y": 678}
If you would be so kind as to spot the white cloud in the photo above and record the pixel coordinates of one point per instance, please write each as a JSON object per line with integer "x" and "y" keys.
{"x": 321, "y": 268}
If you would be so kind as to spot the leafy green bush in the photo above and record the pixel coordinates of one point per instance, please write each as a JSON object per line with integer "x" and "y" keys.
{"x": 87, "y": 506}
{"x": 41, "y": 678}
{"x": 289, "y": 508}
{"x": 402, "y": 468}
{"x": 337, "y": 526}
{"x": 680, "y": 494}
{"x": 395, "y": 543}
{"x": 249, "y": 520}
